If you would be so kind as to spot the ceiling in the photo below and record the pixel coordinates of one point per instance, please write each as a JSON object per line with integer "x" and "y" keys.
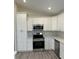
{"x": 41, "y": 6}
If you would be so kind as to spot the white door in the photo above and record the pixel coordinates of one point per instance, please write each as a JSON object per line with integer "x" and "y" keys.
{"x": 21, "y": 32}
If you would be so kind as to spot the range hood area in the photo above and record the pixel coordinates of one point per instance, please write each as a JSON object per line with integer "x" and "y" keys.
{"x": 38, "y": 38}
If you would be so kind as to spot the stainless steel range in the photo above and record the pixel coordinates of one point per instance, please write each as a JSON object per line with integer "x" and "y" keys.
{"x": 38, "y": 38}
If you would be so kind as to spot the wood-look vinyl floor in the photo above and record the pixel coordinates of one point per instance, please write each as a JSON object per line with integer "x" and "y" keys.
{"x": 49, "y": 54}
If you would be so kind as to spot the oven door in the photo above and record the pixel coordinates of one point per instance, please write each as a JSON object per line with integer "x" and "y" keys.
{"x": 38, "y": 45}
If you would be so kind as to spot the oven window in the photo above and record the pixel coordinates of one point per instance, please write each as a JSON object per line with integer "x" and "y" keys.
{"x": 38, "y": 45}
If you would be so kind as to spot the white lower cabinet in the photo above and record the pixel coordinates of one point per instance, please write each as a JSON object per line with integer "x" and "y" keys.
{"x": 21, "y": 41}
{"x": 30, "y": 45}
{"x": 49, "y": 43}
{"x": 62, "y": 50}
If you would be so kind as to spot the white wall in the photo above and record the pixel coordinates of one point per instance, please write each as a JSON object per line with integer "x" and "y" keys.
{"x": 15, "y": 42}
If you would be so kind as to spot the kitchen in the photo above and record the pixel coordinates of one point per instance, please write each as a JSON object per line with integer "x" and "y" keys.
{"x": 49, "y": 28}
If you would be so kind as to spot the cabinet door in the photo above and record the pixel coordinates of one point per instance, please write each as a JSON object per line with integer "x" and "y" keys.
{"x": 54, "y": 23}
{"x": 38, "y": 20}
{"x": 47, "y": 24}
{"x": 60, "y": 22}
{"x": 47, "y": 45}
{"x": 30, "y": 45}
{"x": 49, "y": 42}
{"x": 21, "y": 32}
{"x": 30, "y": 22}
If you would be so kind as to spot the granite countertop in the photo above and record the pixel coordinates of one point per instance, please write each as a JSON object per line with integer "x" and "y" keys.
{"x": 48, "y": 34}
{"x": 60, "y": 39}
{"x": 59, "y": 35}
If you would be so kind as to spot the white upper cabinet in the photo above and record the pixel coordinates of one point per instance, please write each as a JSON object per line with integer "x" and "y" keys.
{"x": 60, "y": 22}
{"x": 46, "y": 21}
{"x": 34, "y": 20}
{"x": 54, "y": 23}
{"x": 47, "y": 24}
{"x": 38, "y": 20}
{"x": 30, "y": 22}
